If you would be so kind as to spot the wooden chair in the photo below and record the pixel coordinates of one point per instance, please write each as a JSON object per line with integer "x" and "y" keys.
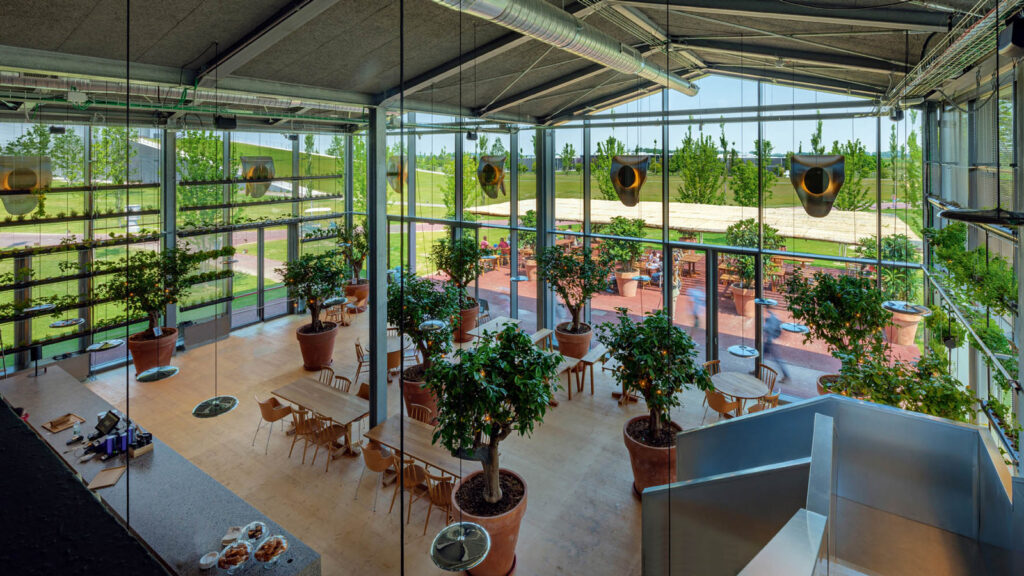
{"x": 439, "y": 492}
{"x": 303, "y": 421}
{"x": 326, "y": 376}
{"x": 768, "y": 376}
{"x": 328, "y": 434}
{"x": 415, "y": 484}
{"x": 485, "y": 311}
{"x": 342, "y": 384}
{"x": 765, "y": 403}
{"x": 504, "y": 256}
{"x": 717, "y": 402}
{"x": 363, "y": 357}
{"x": 421, "y": 413}
{"x": 270, "y": 411}
{"x": 712, "y": 367}
{"x": 334, "y": 314}
{"x": 377, "y": 459}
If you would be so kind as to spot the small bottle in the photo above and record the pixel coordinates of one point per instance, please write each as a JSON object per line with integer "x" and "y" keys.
{"x": 77, "y": 429}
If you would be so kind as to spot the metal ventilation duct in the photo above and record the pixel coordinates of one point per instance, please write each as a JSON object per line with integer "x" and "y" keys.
{"x": 545, "y": 22}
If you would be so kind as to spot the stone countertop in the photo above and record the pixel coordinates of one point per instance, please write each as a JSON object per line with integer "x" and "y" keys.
{"x": 172, "y": 506}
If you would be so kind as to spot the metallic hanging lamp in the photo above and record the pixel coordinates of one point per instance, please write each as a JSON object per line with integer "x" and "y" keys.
{"x": 397, "y": 174}
{"x": 628, "y": 174}
{"x": 257, "y": 168}
{"x": 490, "y": 172}
{"x": 22, "y": 180}
{"x": 460, "y": 546}
{"x": 817, "y": 180}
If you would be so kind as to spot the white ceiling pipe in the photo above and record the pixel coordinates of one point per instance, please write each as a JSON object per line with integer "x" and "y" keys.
{"x": 545, "y": 22}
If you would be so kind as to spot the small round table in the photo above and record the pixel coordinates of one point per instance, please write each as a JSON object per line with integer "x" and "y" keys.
{"x": 396, "y": 347}
{"x": 739, "y": 385}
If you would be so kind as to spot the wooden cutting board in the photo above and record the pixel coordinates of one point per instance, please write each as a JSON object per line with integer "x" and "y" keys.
{"x": 63, "y": 423}
{"x": 106, "y": 478}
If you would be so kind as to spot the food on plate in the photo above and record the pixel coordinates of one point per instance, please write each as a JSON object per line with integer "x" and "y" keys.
{"x": 233, "y": 556}
{"x": 271, "y": 548}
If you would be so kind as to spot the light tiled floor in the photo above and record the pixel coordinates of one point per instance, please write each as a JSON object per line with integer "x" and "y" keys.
{"x": 582, "y": 517}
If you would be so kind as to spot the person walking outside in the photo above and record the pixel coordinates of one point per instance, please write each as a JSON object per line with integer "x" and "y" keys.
{"x": 772, "y": 330}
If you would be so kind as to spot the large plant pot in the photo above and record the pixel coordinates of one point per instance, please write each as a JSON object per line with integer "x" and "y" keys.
{"x": 573, "y": 345}
{"x": 358, "y": 294}
{"x": 903, "y": 328}
{"x": 148, "y": 352}
{"x": 503, "y": 530}
{"x": 743, "y": 299}
{"x": 824, "y": 381}
{"x": 317, "y": 348}
{"x": 416, "y": 392}
{"x": 652, "y": 465}
{"x": 626, "y": 283}
{"x": 467, "y": 321}
{"x": 530, "y": 265}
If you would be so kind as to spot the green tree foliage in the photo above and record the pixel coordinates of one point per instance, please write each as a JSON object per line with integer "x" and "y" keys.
{"x": 313, "y": 278}
{"x": 459, "y": 258}
{"x": 623, "y": 252}
{"x": 697, "y": 164}
{"x": 471, "y": 193}
{"x": 744, "y": 233}
{"x": 309, "y": 151}
{"x": 975, "y": 277}
{"x": 200, "y": 157}
{"x": 415, "y": 300}
{"x": 575, "y": 275}
{"x": 602, "y": 166}
{"x": 336, "y": 150}
{"x": 656, "y": 359}
{"x": 501, "y": 386}
{"x": 568, "y": 157}
{"x": 856, "y": 193}
{"x": 744, "y": 176}
{"x": 68, "y": 155}
{"x": 112, "y": 157}
{"x": 33, "y": 142}
{"x": 894, "y": 157}
{"x": 817, "y": 147}
{"x": 498, "y": 148}
{"x": 897, "y": 283}
{"x": 528, "y": 220}
{"x": 355, "y": 246}
{"x": 914, "y": 160}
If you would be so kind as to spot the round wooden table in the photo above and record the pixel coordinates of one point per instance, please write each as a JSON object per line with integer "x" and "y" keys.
{"x": 739, "y": 385}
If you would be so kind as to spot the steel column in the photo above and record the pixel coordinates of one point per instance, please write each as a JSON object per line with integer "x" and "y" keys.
{"x": 377, "y": 226}
{"x": 544, "y": 167}
{"x": 513, "y": 222}
{"x": 668, "y": 273}
{"x": 292, "y": 242}
{"x": 587, "y": 195}
{"x": 410, "y": 194}
{"x": 168, "y": 205}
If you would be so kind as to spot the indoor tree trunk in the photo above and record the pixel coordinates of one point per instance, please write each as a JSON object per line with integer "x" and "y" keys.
{"x": 492, "y": 481}
{"x": 654, "y": 424}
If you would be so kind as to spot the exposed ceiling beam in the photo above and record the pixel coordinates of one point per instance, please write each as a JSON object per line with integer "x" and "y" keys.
{"x": 478, "y": 55}
{"x": 890, "y": 17}
{"x": 788, "y": 54}
{"x": 649, "y": 26}
{"x": 74, "y": 65}
{"x": 289, "y": 19}
{"x": 546, "y": 88}
{"x": 297, "y": 111}
{"x": 604, "y": 102}
{"x": 800, "y": 80}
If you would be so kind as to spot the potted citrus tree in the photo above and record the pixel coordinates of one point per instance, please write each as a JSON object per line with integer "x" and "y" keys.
{"x": 148, "y": 281}
{"x": 576, "y": 276}
{"x": 500, "y": 387}
{"x": 354, "y": 245}
{"x": 657, "y": 361}
{"x": 412, "y": 301}
{"x": 311, "y": 279}
{"x": 744, "y": 233}
{"x": 624, "y": 253}
{"x": 898, "y": 283}
{"x": 844, "y": 312}
{"x": 459, "y": 258}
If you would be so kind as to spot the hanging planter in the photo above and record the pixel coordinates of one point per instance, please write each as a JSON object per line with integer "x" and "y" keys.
{"x": 257, "y": 168}
{"x": 31, "y": 174}
{"x": 397, "y": 174}
{"x": 817, "y": 180}
{"x": 490, "y": 172}
{"x": 628, "y": 175}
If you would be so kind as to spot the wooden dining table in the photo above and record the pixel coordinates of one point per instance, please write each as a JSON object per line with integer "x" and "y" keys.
{"x": 495, "y": 325}
{"x": 739, "y": 385}
{"x": 418, "y": 444}
{"x": 344, "y": 409}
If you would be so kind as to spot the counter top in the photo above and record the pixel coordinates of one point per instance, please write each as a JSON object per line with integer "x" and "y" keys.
{"x": 173, "y": 507}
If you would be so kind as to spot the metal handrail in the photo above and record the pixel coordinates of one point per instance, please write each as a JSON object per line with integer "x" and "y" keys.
{"x": 1007, "y": 445}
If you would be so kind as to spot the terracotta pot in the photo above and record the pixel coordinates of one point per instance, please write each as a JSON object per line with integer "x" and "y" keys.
{"x": 824, "y": 381}
{"x": 317, "y": 348}
{"x": 652, "y": 466}
{"x": 626, "y": 283}
{"x": 152, "y": 352}
{"x": 416, "y": 392}
{"x": 743, "y": 299}
{"x": 903, "y": 328}
{"x": 530, "y": 265}
{"x": 358, "y": 294}
{"x": 573, "y": 345}
{"x": 467, "y": 321}
{"x": 503, "y": 529}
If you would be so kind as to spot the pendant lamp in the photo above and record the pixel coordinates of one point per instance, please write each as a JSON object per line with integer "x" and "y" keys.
{"x": 397, "y": 173}
{"x": 257, "y": 168}
{"x": 628, "y": 174}
{"x": 490, "y": 172}
{"x": 460, "y": 546}
{"x": 817, "y": 180}
{"x": 27, "y": 174}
